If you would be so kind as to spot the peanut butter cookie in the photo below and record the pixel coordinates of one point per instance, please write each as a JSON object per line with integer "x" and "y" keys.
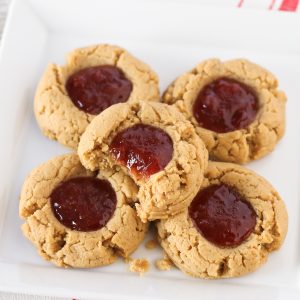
{"x": 77, "y": 218}
{"x": 155, "y": 145}
{"x": 230, "y": 227}
{"x": 68, "y": 97}
{"x": 235, "y": 106}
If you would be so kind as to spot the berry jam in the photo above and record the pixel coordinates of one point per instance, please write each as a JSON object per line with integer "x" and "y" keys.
{"x": 143, "y": 149}
{"x": 222, "y": 215}
{"x": 83, "y": 203}
{"x": 96, "y": 88}
{"x": 225, "y": 105}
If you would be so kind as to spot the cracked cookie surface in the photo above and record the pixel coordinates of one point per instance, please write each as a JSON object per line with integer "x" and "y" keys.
{"x": 240, "y": 146}
{"x": 57, "y": 116}
{"x": 69, "y": 248}
{"x": 194, "y": 255}
{"x": 164, "y": 193}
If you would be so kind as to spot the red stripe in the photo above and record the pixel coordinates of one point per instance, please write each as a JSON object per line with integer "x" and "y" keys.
{"x": 272, "y": 4}
{"x": 289, "y": 5}
{"x": 240, "y": 3}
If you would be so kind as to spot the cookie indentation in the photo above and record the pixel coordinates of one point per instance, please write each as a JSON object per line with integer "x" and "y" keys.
{"x": 193, "y": 252}
{"x": 225, "y": 105}
{"x": 143, "y": 149}
{"x": 83, "y": 203}
{"x": 166, "y": 141}
{"x": 94, "y": 89}
{"x": 222, "y": 215}
{"x": 265, "y": 119}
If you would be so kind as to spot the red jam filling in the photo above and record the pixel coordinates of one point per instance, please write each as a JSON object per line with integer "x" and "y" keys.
{"x": 83, "y": 203}
{"x": 222, "y": 215}
{"x": 225, "y": 105}
{"x": 96, "y": 88}
{"x": 143, "y": 149}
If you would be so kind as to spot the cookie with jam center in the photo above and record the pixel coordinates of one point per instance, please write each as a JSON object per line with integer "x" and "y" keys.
{"x": 235, "y": 106}
{"x": 79, "y": 218}
{"x": 156, "y": 146}
{"x": 68, "y": 97}
{"x": 236, "y": 219}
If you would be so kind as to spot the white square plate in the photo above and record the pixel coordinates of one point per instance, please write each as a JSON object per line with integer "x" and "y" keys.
{"x": 172, "y": 36}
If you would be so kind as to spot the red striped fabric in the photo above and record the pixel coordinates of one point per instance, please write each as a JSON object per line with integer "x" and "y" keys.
{"x": 240, "y": 3}
{"x": 283, "y": 5}
{"x": 271, "y": 6}
{"x": 289, "y": 5}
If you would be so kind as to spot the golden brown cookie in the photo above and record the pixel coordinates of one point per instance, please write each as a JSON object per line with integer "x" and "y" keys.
{"x": 53, "y": 237}
{"x": 57, "y": 115}
{"x": 226, "y": 248}
{"x": 168, "y": 147}
{"x": 246, "y": 128}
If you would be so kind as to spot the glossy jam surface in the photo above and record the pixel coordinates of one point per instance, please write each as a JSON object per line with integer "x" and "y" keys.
{"x": 96, "y": 88}
{"x": 222, "y": 216}
{"x": 143, "y": 149}
{"x": 225, "y": 105}
{"x": 83, "y": 203}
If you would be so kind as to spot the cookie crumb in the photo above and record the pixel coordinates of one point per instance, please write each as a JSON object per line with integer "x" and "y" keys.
{"x": 139, "y": 265}
{"x": 151, "y": 244}
{"x": 164, "y": 264}
{"x": 128, "y": 259}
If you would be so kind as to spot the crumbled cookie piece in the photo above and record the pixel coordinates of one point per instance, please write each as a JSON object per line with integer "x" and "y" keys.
{"x": 168, "y": 191}
{"x": 139, "y": 265}
{"x": 151, "y": 244}
{"x": 243, "y": 145}
{"x": 164, "y": 264}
